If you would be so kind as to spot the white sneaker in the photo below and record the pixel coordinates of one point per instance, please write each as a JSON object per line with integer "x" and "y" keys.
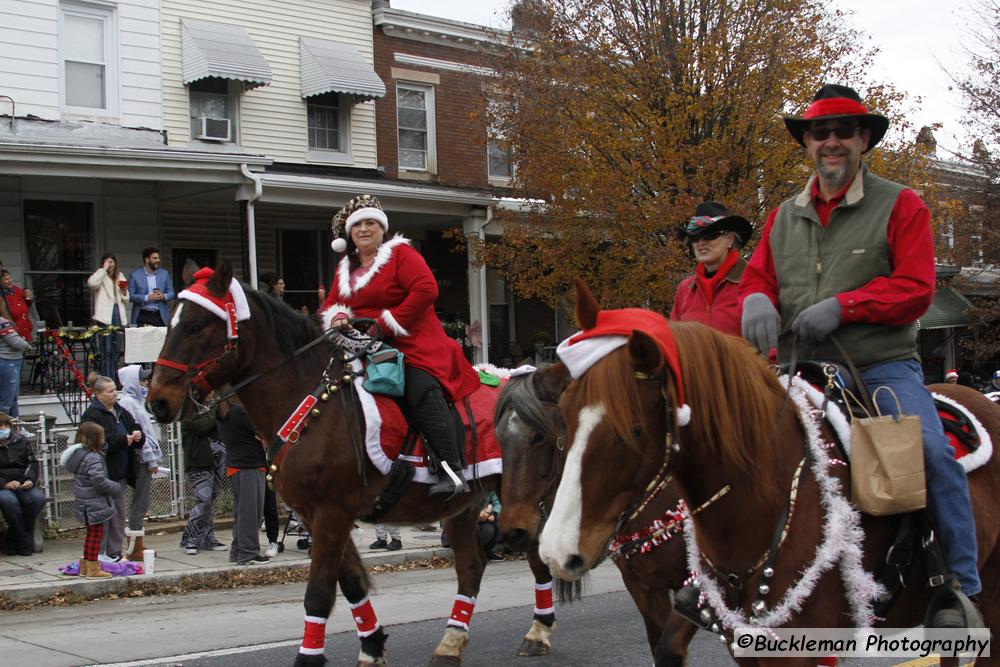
{"x": 272, "y": 550}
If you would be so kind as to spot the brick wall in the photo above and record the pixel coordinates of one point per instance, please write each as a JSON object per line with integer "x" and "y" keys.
{"x": 459, "y": 111}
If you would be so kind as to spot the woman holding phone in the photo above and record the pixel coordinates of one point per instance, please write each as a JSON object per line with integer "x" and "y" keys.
{"x": 110, "y": 291}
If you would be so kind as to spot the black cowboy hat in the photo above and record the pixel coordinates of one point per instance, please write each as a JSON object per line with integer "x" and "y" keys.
{"x": 712, "y": 215}
{"x": 834, "y": 101}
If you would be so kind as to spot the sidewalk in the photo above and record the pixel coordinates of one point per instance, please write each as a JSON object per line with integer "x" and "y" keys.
{"x": 38, "y": 576}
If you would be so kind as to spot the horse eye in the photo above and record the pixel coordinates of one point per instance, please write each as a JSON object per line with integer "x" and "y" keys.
{"x": 193, "y": 328}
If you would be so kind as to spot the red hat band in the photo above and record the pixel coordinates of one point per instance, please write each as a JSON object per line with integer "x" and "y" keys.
{"x": 834, "y": 106}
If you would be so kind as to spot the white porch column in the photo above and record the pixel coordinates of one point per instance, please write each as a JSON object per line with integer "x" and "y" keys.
{"x": 473, "y": 226}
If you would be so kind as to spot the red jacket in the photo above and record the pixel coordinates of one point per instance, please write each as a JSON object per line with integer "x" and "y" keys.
{"x": 399, "y": 292}
{"x": 18, "y": 307}
{"x": 723, "y": 314}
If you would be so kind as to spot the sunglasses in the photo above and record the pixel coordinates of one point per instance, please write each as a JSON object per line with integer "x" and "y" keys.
{"x": 842, "y": 132}
{"x": 709, "y": 235}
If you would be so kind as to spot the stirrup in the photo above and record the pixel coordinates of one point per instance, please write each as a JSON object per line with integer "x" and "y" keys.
{"x": 451, "y": 485}
{"x": 950, "y": 608}
{"x": 686, "y": 606}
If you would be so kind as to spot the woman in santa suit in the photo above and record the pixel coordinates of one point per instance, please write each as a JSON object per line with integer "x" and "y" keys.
{"x": 388, "y": 281}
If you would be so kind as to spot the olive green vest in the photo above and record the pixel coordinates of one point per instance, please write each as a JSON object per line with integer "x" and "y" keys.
{"x": 813, "y": 263}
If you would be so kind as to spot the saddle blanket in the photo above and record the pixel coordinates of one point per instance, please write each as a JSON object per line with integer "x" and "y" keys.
{"x": 969, "y": 460}
{"x": 386, "y": 429}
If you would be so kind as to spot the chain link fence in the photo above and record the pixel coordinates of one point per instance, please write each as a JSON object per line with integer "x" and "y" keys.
{"x": 171, "y": 495}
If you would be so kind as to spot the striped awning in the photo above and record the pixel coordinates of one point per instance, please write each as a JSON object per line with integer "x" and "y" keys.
{"x": 949, "y": 309}
{"x": 221, "y": 50}
{"x": 334, "y": 67}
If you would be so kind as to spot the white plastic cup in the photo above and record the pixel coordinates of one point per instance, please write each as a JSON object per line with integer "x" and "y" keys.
{"x": 148, "y": 560}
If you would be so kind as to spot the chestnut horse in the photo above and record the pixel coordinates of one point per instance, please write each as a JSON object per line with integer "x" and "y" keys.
{"x": 527, "y": 426}
{"x": 320, "y": 476}
{"x": 735, "y": 463}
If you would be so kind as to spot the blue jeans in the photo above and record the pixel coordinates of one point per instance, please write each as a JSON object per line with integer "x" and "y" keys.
{"x": 10, "y": 385}
{"x": 19, "y": 509}
{"x": 109, "y": 346}
{"x": 947, "y": 488}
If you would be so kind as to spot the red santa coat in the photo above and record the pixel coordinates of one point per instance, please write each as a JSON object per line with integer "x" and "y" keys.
{"x": 399, "y": 292}
{"x": 690, "y": 304}
{"x": 19, "y": 311}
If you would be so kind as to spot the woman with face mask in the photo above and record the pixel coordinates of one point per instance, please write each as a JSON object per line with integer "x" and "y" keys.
{"x": 145, "y": 463}
{"x": 20, "y": 499}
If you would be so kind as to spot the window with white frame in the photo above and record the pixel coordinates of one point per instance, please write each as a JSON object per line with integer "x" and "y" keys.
{"x": 415, "y": 127}
{"x": 88, "y": 58}
{"x": 498, "y": 156}
{"x": 213, "y": 104}
{"x": 327, "y": 119}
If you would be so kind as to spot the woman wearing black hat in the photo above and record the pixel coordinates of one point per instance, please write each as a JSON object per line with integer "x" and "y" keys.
{"x": 714, "y": 237}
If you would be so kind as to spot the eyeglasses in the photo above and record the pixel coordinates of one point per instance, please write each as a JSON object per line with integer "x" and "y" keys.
{"x": 842, "y": 132}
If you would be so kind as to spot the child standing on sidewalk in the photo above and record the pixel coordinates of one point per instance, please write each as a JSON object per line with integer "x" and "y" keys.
{"x": 94, "y": 492}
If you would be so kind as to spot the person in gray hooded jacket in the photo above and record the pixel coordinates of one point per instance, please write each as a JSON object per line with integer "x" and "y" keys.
{"x": 134, "y": 381}
{"x": 94, "y": 492}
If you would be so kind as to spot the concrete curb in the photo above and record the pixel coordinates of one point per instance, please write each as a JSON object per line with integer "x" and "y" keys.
{"x": 91, "y": 588}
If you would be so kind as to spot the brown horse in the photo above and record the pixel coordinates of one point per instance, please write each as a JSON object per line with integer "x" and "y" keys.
{"x": 322, "y": 474}
{"x": 527, "y": 426}
{"x": 735, "y": 462}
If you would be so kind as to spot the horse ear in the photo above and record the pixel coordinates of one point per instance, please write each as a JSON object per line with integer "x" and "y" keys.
{"x": 586, "y": 306}
{"x": 550, "y": 381}
{"x": 645, "y": 353}
{"x": 219, "y": 282}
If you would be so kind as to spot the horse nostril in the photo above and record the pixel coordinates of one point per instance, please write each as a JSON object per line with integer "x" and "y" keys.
{"x": 160, "y": 410}
{"x": 574, "y": 563}
{"x": 517, "y": 539}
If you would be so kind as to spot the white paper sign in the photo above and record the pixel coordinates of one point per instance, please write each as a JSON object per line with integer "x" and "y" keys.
{"x": 143, "y": 344}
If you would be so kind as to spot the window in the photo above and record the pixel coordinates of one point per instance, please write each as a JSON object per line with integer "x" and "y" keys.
{"x": 88, "y": 55}
{"x": 415, "y": 121}
{"x": 59, "y": 239}
{"x": 498, "y": 154}
{"x": 304, "y": 265}
{"x": 328, "y": 116}
{"x": 213, "y": 103}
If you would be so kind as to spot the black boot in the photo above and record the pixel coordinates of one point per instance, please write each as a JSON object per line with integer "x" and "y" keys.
{"x": 952, "y": 609}
{"x": 436, "y": 423}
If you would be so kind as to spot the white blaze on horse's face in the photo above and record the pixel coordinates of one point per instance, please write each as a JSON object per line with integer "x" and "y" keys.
{"x": 560, "y": 540}
{"x": 175, "y": 320}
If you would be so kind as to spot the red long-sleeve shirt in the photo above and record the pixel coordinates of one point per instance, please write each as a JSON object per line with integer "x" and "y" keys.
{"x": 894, "y": 300}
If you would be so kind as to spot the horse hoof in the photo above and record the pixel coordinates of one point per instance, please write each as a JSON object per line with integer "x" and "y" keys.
{"x": 309, "y": 660}
{"x": 531, "y": 648}
{"x": 445, "y": 661}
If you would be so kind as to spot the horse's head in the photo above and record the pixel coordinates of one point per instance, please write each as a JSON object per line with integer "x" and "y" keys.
{"x": 197, "y": 355}
{"x": 527, "y": 425}
{"x": 616, "y": 417}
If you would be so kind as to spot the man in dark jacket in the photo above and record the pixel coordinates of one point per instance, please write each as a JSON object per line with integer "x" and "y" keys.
{"x": 121, "y": 434}
{"x": 20, "y": 499}
{"x": 204, "y": 463}
{"x": 246, "y": 466}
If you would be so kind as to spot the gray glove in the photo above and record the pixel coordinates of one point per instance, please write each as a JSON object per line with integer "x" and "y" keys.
{"x": 818, "y": 321}
{"x": 760, "y": 322}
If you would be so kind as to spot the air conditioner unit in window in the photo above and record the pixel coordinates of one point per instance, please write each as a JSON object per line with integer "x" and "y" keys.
{"x": 213, "y": 129}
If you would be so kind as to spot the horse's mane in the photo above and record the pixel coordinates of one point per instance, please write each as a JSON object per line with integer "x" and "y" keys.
{"x": 519, "y": 395}
{"x": 735, "y": 401}
{"x": 291, "y": 328}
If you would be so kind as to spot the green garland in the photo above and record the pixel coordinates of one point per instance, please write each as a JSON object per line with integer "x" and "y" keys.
{"x": 67, "y": 334}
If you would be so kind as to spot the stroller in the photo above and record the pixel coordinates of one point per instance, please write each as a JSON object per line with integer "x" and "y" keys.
{"x": 295, "y": 527}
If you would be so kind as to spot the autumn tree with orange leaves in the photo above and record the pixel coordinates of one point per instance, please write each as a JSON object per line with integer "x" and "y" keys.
{"x": 624, "y": 114}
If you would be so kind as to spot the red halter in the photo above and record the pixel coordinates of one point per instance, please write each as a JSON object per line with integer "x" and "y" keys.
{"x": 198, "y": 372}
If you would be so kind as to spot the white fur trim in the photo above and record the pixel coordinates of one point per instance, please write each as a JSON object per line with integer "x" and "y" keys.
{"x": 366, "y": 213}
{"x": 834, "y": 415}
{"x": 373, "y": 440}
{"x": 395, "y": 327}
{"x": 381, "y": 259}
{"x": 505, "y": 373}
{"x": 333, "y": 311}
{"x": 68, "y": 452}
{"x": 580, "y": 356}
{"x": 842, "y": 544}
{"x": 239, "y": 300}
{"x": 983, "y": 454}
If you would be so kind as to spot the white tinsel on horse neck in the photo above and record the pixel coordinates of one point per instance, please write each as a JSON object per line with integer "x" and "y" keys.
{"x": 842, "y": 542}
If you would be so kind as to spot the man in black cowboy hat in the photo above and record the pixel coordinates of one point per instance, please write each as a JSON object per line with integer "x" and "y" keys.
{"x": 851, "y": 258}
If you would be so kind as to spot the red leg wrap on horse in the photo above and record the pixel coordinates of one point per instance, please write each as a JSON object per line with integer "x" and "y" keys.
{"x": 461, "y": 612}
{"x": 543, "y": 599}
{"x": 827, "y": 662}
{"x": 364, "y": 617}
{"x": 314, "y": 636}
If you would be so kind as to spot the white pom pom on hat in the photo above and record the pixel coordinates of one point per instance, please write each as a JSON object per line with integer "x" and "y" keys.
{"x": 339, "y": 245}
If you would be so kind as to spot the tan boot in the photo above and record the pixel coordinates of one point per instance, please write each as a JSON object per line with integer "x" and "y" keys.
{"x": 94, "y": 570}
{"x": 137, "y": 549}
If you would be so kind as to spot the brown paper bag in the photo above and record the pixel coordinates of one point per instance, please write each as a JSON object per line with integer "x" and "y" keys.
{"x": 887, "y": 463}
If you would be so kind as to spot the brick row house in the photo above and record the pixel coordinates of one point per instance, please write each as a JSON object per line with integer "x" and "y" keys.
{"x": 237, "y": 129}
